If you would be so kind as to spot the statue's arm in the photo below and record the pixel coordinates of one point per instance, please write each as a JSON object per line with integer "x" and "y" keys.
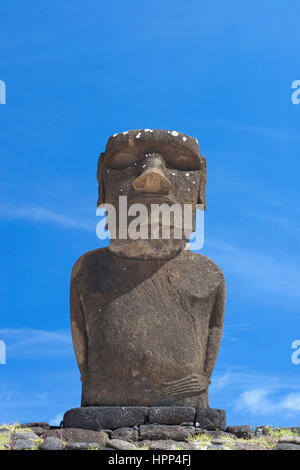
{"x": 78, "y": 328}
{"x": 215, "y": 329}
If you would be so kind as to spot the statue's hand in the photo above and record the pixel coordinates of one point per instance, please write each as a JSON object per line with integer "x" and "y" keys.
{"x": 191, "y": 385}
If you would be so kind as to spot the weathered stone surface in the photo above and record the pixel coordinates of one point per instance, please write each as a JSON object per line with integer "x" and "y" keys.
{"x": 160, "y": 432}
{"x": 221, "y": 442}
{"x": 125, "y": 434}
{"x": 38, "y": 431}
{"x": 167, "y": 445}
{"x": 23, "y": 444}
{"x": 216, "y": 447}
{"x": 240, "y": 445}
{"x": 163, "y": 445}
{"x": 242, "y": 432}
{"x": 120, "y": 445}
{"x": 290, "y": 440}
{"x": 219, "y": 435}
{"x": 211, "y": 419}
{"x": 26, "y": 435}
{"x": 51, "y": 443}
{"x": 77, "y": 435}
{"x": 172, "y": 414}
{"x": 39, "y": 424}
{"x": 82, "y": 446}
{"x": 100, "y": 417}
{"x": 287, "y": 446}
{"x": 145, "y": 313}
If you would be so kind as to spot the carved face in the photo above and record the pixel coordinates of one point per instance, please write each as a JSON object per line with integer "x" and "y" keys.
{"x": 151, "y": 167}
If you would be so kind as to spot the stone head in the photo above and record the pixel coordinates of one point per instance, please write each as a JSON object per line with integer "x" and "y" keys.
{"x": 151, "y": 167}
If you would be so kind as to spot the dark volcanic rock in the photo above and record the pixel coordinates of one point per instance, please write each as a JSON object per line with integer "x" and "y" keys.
{"x": 77, "y": 435}
{"x": 242, "y": 432}
{"x": 159, "y": 432}
{"x": 25, "y": 435}
{"x": 211, "y": 419}
{"x": 51, "y": 443}
{"x": 287, "y": 446}
{"x": 35, "y": 425}
{"x": 247, "y": 446}
{"x": 100, "y": 417}
{"x": 82, "y": 446}
{"x": 289, "y": 440}
{"x": 24, "y": 444}
{"x": 39, "y": 431}
{"x": 120, "y": 445}
{"x": 125, "y": 434}
{"x": 172, "y": 414}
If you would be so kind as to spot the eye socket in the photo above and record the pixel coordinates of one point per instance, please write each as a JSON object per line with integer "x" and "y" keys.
{"x": 121, "y": 161}
{"x": 183, "y": 162}
{"x": 170, "y": 166}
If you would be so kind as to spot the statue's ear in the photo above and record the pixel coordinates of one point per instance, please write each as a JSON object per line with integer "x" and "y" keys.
{"x": 203, "y": 179}
{"x": 101, "y": 197}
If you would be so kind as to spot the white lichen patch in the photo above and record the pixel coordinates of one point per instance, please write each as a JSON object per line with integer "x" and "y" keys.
{"x": 187, "y": 174}
{"x": 184, "y": 139}
{"x": 138, "y": 135}
{"x": 148, "y": 130}
{"x": 175, "y": 133}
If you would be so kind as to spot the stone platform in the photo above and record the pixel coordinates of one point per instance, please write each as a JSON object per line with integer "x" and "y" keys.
{"x": 113, "y": 417}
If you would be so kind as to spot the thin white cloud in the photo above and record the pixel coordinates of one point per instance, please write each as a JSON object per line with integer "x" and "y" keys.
{"x": 253, "y": 129}
{"x": 277, "y": 273}
{"x": 41, "y": 215}
{"x": 256, "y": 394}
{"x": 30, "y": 343}
{"x": 263, "y": 402}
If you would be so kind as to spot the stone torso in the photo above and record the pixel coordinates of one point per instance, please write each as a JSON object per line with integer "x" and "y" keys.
{"x": 146, "y": 323}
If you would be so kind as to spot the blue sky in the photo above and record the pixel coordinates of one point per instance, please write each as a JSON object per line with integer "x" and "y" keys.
{"x": 77, "y": 72}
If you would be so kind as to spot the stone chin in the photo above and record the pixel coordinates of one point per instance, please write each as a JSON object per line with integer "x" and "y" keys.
{"x": 147, "y": 249}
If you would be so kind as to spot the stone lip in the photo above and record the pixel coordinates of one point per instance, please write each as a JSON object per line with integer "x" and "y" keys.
{"x": 114, "y": 417}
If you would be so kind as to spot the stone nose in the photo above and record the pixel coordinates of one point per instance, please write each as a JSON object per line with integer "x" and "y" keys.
{"x": 152, "y": 179}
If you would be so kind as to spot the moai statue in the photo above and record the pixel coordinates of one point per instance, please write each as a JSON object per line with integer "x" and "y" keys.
{"x": 147, "y": 315}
